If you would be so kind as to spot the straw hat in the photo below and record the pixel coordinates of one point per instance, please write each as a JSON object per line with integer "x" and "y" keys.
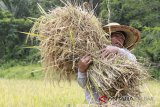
{"x": 132, "y": 34}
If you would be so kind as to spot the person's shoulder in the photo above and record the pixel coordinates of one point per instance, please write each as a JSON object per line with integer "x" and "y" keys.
{"x": 125, "y": 49}
{"x": 128, "y": 54}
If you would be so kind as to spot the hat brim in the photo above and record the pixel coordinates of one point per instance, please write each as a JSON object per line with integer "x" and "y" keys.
{"x": 132, "y": 34}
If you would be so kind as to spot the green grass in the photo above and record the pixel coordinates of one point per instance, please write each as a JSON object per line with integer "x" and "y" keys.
{"x": 33, "y": 71}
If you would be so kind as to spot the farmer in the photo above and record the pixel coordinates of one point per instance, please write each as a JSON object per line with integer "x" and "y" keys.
{"x": 123, "y": 38}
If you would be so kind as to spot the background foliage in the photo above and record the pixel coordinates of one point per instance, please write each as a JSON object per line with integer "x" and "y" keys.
{"x": 142, "y": 14}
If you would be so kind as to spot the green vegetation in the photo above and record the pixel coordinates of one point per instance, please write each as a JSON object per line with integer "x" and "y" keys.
{"x": 15, "y": 17}
{"x": 149, "y": 50}
{"x": 31, "y": 71}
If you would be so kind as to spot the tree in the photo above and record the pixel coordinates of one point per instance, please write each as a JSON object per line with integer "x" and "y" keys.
{"x": 149, "y": 49}
{"x": 13, "y": 19}
{"x": 19, "y": 8}
{"x": 129, "y": 12}
{"x": 11, "y": 41}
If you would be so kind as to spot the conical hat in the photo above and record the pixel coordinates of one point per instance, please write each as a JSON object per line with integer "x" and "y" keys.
{"x": 132, "y": 34}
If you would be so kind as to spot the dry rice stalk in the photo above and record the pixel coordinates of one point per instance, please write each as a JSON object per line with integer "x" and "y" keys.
{"x": 116, "y": 77}
{"x": 67, "y": 33}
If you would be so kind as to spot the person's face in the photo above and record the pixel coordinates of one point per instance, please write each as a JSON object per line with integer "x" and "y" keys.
{"x": 117, "y": 39}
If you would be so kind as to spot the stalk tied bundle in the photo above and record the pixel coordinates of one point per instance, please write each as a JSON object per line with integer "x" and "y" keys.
{"x": 67, "y": 33}
{"x": 116, "y": 77}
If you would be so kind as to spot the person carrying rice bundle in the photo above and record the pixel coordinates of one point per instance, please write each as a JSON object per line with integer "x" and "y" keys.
{"x": 65, "y": 34}
{"x": 123, "y": 39}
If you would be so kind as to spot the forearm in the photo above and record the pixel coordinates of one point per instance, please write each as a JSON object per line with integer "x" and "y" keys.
{"x": 82, "y": 79}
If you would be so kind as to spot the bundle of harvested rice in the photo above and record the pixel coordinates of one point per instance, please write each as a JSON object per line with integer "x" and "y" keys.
{"x": 116, "y": 77}
{"x": 65, "y": 34}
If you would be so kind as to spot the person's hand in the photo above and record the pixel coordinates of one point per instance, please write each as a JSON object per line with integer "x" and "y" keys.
{"x": 108, "y": 52}
{"x": 84, "y": 63}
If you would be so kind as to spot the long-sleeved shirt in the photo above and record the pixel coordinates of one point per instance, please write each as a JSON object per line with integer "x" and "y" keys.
{"x": 82, "y": 78}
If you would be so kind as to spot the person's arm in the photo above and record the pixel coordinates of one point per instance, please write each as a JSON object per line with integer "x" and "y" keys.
{"x": 82, "y": 79}
{"x": 109, "y": 51}
{"x": 83, "y": 65}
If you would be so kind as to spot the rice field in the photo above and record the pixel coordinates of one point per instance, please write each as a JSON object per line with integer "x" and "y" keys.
{"x": 37, "y": 93}
{"x": 151, "y": 94}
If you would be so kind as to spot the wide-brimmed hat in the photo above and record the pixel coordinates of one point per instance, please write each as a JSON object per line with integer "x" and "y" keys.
{"x": 132, "y": 35}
